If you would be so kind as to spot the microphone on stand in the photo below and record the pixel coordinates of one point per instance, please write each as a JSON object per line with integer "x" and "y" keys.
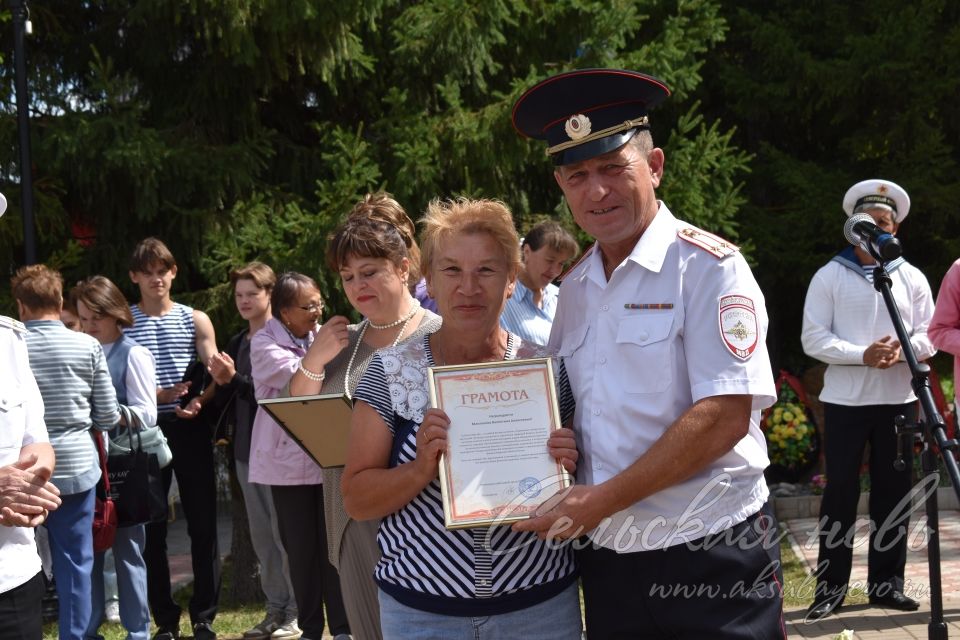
{"x": 861, "y": 231}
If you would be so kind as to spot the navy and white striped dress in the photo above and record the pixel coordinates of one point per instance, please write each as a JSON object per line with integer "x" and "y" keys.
{"x": 466, "y": 572}
{"x": 171, "y": 338}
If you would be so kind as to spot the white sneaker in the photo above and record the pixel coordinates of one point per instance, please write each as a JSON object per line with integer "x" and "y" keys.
{"x": 111, "y": 612}
{"x": 289, "y": 630}
{"x": 262, "y": 630}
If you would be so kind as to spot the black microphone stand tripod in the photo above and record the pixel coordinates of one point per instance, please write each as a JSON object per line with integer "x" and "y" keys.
{"x": 932, "y": 430}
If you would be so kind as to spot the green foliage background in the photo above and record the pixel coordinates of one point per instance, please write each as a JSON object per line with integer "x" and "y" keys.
{"x": 243, "y": 129}
{"x": 824, "y": 95}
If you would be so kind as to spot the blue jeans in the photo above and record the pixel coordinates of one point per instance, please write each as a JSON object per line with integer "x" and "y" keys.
{"x": 70, "y": 529}
{"x": 131, "y": 585}
{"x": 555, "y": 619}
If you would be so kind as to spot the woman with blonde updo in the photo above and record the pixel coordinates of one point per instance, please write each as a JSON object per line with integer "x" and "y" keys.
{"x": 377, "y": 257}
{"x": 382, "y": 206}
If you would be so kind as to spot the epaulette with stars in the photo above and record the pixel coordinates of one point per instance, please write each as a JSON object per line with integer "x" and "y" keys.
{"x": 714, "y": 245}
{"x": 10, "y": 323}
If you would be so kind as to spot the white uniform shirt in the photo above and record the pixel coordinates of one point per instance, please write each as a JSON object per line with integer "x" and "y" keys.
{"x": 635, "y": 371}
{"x": 21, "y": 423}
{"x": 843, "y": 314}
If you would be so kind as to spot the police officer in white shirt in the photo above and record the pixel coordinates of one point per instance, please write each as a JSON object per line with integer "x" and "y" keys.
{"x": 866, "y": 385}
{"x": 26, "y": 495}
{"x": 662, "y": 330}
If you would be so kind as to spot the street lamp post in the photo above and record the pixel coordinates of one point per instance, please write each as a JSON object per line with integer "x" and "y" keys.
{"x": 20, "y": 24}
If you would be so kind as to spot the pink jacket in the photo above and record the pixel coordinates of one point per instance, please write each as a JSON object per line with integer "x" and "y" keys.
{"x": 274, "y": 457}
{"x": 944, "y": 329}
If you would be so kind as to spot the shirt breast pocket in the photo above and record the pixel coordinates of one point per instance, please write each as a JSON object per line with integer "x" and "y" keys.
{"x": 12, "y": 417}
{"x": 572, "y": 341}
{"x": 644, "y": 353}
{"x": 572, "y": 353}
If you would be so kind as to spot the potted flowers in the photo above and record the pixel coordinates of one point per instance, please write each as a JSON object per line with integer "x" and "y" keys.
{"x": 792, "y": 441}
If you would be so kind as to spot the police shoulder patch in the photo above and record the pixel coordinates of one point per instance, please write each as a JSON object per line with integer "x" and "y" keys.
{"x": 10, "y": 323}
{"x": 714, "y": 245}
{"x": 739, "y": 327}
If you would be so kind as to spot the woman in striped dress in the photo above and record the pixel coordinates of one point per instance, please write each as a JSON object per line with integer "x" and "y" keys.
{"x": 433, "y": 582}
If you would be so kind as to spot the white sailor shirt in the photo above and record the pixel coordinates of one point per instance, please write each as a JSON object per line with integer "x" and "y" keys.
{"x": 843, "y": 314}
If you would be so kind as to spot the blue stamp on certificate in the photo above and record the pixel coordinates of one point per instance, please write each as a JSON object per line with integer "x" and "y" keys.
{"x": 529, "y": 487}
{"x": 497, "y": 468}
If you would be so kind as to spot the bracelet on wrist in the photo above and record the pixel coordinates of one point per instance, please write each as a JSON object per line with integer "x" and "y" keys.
{"x": 310, "y": 375}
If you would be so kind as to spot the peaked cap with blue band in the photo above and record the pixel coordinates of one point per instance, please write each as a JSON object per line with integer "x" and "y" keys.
{"x": 585, "y": 113}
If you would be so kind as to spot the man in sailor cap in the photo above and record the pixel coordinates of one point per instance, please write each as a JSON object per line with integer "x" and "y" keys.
{"x": 866, "y": 385}
{"x": 661, "y": 327}
{"x": 26, "y": 494}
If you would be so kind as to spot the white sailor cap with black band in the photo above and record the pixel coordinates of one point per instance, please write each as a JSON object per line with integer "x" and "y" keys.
{"x": 3, "y": 205}
{"x": 586, "y": 113}
{"x": 874, "y": 193}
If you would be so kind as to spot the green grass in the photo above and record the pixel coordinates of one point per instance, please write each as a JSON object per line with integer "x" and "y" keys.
{"x": 230, "y": 623}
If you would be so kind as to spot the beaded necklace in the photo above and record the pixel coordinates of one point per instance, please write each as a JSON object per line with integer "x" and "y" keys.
{"x": 403, "y": 322}
{"x": 398, "y": 321}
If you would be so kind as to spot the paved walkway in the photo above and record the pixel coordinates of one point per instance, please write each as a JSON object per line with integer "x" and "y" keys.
{"x": 872, "y": 622}
{"x": 865, "y": 621}
{"x": 178, "y": 544}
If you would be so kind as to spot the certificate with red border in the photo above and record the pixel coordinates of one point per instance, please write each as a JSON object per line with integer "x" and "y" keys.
{"x": 497, "y": 468}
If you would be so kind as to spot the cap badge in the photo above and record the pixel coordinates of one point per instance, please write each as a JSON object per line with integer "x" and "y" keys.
{"x": 882, "y": 188}
{"x": 577, "y": 127}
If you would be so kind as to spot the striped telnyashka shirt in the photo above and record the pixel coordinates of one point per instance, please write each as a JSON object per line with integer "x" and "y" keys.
{"x": 78, "y": 395}
{"x": 172, "y": 339}
{"x": 474, "y": 572}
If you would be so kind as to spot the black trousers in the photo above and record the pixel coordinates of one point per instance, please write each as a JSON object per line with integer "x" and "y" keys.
{"x": 193, "y": 463}
{"x": 303, "y": 532}
{"x": 847, "y": 432}
{"x": 21, "y": 617}
{"x": 724, "y": 586}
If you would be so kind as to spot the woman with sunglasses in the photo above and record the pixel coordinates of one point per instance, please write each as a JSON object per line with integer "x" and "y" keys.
{"x": 278, "y": 352}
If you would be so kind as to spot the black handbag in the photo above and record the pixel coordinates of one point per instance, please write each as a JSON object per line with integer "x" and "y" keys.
{"x": 136, "y": 485}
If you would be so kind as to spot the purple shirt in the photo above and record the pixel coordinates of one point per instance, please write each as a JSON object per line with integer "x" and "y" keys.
{"x": 274, "y": 457}
{"x": 944, "y": 330}
{"x": 425, "y": 300}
